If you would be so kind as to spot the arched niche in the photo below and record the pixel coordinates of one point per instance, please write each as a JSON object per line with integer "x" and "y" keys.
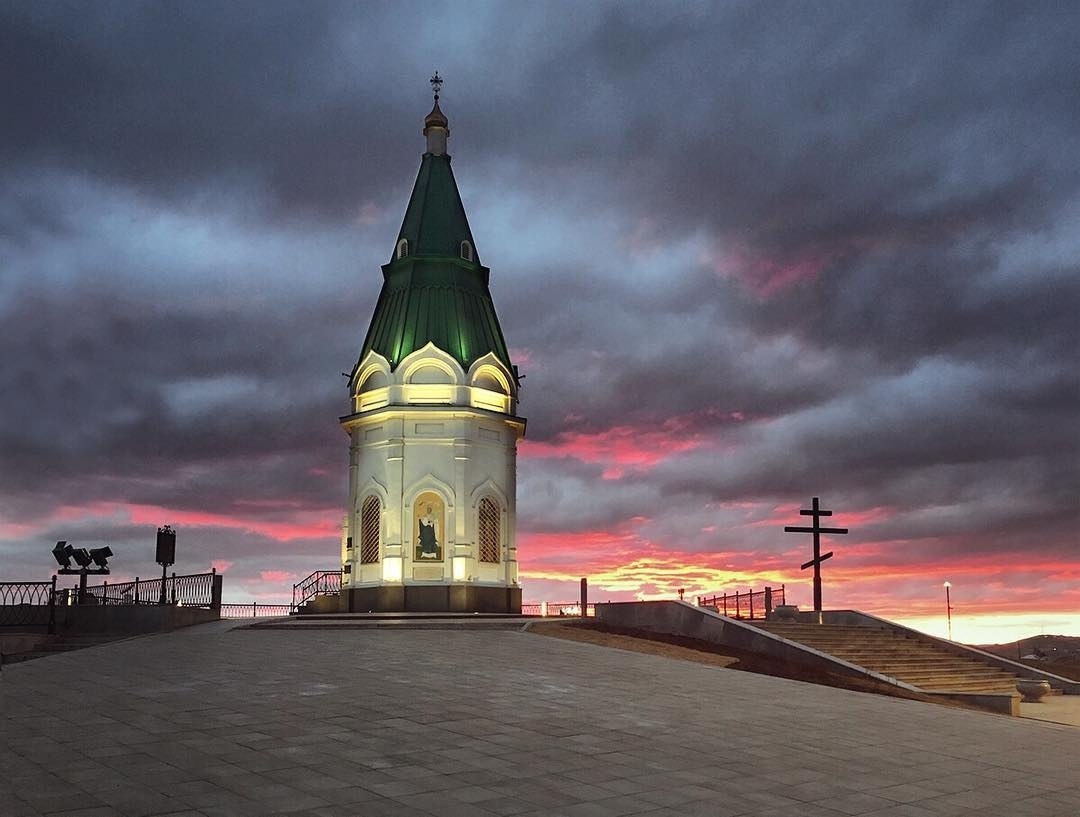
{"x": 374, "y": 379}
{"x": 431, "y": 374}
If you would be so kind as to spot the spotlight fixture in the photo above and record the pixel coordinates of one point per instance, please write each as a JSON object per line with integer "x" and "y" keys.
{"x": 81, "y": 557}
{"x": 100, "y": 556}
{"x": 62, "y": 552}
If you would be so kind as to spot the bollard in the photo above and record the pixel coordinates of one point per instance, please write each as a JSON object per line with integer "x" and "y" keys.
{"x": 52, "y": 607}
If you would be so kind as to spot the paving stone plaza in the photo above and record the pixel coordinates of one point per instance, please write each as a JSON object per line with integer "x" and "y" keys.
{"x": 216, "y": 720}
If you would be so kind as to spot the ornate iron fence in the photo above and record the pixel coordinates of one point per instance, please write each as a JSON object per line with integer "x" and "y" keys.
{"x": 196, "y": 590}
{"x": 28, "y": 604}
{"x": 319, "y": 583}
{"x": 750, "y": 605}
{"x": 256, "y": 609}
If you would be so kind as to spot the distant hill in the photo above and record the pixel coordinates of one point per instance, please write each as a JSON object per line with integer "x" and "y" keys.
{"x": 1042, "y": 646}
{"x": 1059, "y": 654}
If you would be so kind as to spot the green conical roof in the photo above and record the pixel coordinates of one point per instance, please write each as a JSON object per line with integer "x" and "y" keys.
{"x": 435, "y": 222}
{"x": 432, "y": 294}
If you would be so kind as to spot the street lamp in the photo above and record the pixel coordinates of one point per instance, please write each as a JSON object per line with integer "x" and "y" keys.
{"x": 948, "y": 608}
{"x": 165, "y": 556}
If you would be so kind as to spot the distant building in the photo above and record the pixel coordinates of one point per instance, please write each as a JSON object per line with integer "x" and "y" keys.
{"x": 433, "y": 427}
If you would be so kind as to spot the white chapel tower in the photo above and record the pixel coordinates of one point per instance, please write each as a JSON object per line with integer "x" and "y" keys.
{"x": 433, "y": 427}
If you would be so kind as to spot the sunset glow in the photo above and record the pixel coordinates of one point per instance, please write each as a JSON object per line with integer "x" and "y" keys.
{"x": 737, "y": 262}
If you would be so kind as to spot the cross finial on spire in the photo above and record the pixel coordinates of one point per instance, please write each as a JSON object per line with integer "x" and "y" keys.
{"x": 436, "y": 84}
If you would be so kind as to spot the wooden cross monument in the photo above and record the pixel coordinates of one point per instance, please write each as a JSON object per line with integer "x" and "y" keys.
{"x": 816, "y": 513}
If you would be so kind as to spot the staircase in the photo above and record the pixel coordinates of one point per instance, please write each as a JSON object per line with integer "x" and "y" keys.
{"x": 906, "y": 658}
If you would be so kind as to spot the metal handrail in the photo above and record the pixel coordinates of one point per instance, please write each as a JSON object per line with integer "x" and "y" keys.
{"x": 319, "y": 583}
{"x": 256, "y": 609}
{"x": 557, "y": 608}
{"x": 752, "y": 604}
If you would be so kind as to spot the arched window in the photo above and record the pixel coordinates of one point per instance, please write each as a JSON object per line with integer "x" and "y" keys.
{"x": 490, "y": 524}
{"x": 466, "y": 250}
{"x": 402, "y": 248}
{"x": 369, "y": 530}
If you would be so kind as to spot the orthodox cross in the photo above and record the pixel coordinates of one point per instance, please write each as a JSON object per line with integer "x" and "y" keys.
{"x": 816, "y": 513}
{"x": 436, "y": 84}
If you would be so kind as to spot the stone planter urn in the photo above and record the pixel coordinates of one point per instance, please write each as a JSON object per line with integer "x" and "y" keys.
{"x": 1033, "y": 690}
{"x": 786, "y": 612}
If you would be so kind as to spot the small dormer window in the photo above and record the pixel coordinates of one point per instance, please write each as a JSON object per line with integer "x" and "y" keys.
{"x": 466, "y": 250}
{"x": 402, "y": 248}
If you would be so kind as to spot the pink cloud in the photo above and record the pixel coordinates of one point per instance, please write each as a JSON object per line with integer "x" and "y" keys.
{"x": 299, "y": 524}
{"x": 521, "y": 356}
{"x": 763, "y": 275}
{"x": 626, "y": 448}
{"x": 276, "y": 576}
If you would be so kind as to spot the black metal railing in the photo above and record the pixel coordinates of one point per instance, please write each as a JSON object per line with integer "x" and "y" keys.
{"x": 319, "y": 583}
{"x": 28, "y": 604}
{"x": 752, "y": 604}
{"x": 256, "y": 609}
{"x": 195, "y": 590}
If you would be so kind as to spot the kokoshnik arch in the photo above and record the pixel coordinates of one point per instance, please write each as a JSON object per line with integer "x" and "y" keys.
{"x": 433, "y": 430}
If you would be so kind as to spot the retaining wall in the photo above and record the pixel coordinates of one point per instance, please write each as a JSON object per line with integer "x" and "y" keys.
{"x": 129, "y": 619}
{"x": 684, "y": 619}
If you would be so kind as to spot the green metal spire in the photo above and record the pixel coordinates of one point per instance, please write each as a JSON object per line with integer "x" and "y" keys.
{"x": 434, "y": 288}
{"x": 435, "y": 222}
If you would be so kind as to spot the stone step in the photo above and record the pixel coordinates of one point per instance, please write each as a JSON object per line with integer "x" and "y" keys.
{"x": 918, "y": 669}
{"x": 943, "y": 662}
{"x": 920, "y": 678}
{"x": 965, "y": 686}
{"x": 923, "y": 664}
{"x": 62, "y": 644}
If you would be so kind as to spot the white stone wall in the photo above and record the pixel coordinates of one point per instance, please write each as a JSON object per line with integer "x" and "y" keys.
{"x": 429, "y": 426}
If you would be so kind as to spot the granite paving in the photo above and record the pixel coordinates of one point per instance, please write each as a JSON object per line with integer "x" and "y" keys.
{"x": 219, "y": 720}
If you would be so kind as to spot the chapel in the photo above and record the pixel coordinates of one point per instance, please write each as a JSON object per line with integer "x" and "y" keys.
{"x": 432, "y": 423}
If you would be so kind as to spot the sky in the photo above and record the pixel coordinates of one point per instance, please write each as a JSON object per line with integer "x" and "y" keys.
{"x": 744, "y": 253}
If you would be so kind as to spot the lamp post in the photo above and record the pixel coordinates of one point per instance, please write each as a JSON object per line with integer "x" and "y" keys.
{"x": 165, "y": 556}
{"x": 948, "y": 609}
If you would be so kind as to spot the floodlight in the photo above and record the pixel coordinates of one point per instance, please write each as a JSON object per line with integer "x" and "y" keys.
{"x": 62, "y": 552}
{"x": 81, "y": 557}
{"x": 101, "y": 556}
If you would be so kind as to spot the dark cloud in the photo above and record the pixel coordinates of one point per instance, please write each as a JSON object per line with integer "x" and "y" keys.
{"x": 749, "y": 252}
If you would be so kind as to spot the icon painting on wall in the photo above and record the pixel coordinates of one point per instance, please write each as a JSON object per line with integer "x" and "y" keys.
{"x": 428, "y": 527}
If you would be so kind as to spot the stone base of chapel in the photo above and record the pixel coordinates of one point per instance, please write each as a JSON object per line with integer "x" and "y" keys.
{"x": 441, "y": 598}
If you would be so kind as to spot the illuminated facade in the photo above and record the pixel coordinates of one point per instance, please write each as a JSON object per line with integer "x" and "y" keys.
{"x": 433, "y": 427}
